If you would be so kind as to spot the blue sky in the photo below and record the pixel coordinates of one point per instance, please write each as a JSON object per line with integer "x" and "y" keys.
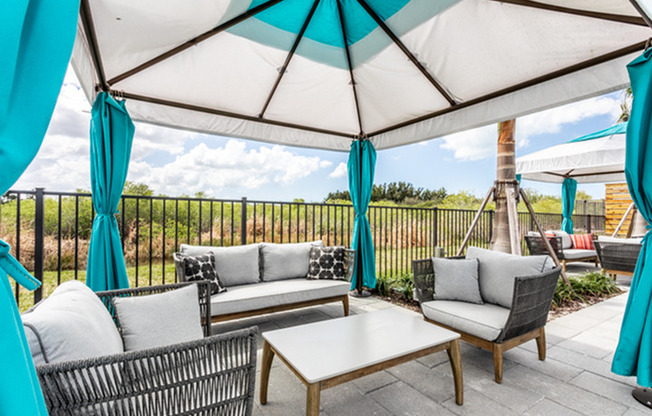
{"x": 176, "y": 162}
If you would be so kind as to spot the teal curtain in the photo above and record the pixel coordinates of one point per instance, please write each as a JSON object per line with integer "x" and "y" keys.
{"x": 36, "y": 39}
{"x": 361, "y": 166}
{"x": 112, "y": 133}
{"x": 568, "y": 190}
{"x": 633, "y": 355}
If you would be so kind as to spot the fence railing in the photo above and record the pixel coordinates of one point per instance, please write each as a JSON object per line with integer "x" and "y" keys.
{"x": 49, "y": 232}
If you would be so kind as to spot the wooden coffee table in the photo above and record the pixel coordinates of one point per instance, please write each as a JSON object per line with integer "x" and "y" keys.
{"x": 325, "y": 354}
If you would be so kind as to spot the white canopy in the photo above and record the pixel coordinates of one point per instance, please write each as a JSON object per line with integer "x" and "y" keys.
{"x": 410, "y": 70}
{"x": 595, "y": 158}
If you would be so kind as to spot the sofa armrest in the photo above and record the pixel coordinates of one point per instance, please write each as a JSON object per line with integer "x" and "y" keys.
{"x": 213, "y": 375}
{"x": 530, "y": 303}
{"x": 349, "y": 263}
{"x": 536, "y": 246}
{"x": 424, "y": 279}
{"x": 204, "y": 298}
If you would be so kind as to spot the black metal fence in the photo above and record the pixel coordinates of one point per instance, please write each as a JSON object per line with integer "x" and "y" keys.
{"x": 49, "y": 232}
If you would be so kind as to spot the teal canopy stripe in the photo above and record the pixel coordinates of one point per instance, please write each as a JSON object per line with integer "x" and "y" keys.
{"x": 568, "y": 190}
{"x": 322, "y": 42}
{"x": 361, "y": 167}
{"x": 620, "y": 128}
{"x": 36, "y": 39}
{"x": 633, "y": 355}
{"x": 112, "y": 133}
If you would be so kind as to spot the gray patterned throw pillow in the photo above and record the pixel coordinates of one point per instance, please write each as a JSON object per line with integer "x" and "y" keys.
{"x": 327, "y": 263}
{"x": 203, "y": 268}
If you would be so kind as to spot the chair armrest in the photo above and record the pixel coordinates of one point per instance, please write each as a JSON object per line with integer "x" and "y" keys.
{"x": 213, "y": 375}
{"x": 530, "y": 304}
{"x": 424, "y": 279}
{"x": 349, "y": 263}
{"x": 536, "y": 246}
{"x": 203, "y": 289}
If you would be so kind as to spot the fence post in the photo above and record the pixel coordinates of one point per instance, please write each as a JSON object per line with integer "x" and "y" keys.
{"x": 243, "y": 221}
{"x": 588, "y": 223}
{"x": 491, "y": 226}
{"x": 39, "y": 220}
{"x": 435, "y": 229}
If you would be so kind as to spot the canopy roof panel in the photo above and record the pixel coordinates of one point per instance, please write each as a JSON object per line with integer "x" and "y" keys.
{"x": 317, "y": 73}
{"x": 595, "y": 158}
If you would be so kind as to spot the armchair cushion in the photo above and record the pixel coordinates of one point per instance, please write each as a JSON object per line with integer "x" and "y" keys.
{"x": 498, "y": 270}
{"x": 286, "y": 261}
{"x": 158, "y": 320}
{"x": 483, "y": 321}
{"x": 71, "y": 324}
{"x": 456, "y": 280}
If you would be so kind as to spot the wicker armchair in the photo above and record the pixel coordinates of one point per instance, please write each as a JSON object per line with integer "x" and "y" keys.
{"x": 214, "y": 375}
{"x": 527, "y": 316}
{"x": 536, "y": 246}
{"x": 617, "y": 258}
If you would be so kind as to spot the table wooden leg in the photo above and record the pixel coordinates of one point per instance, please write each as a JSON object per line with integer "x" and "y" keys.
{"x": 312, "y": 399}
{"x": 266, "y": 365}
{"x": 456, "y": 365}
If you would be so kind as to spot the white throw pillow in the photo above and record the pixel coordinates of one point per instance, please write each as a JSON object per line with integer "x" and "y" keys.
{"x": 162, "y": 319}
{"x": 565, "y": 239}
{"x": 71, "y": 324}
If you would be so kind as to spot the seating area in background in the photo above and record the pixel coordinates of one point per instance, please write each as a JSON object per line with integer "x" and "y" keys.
{"x": 496, "y": 301}
{"x": 144, "y": 351}
{"x": 567, "y": 247}
{"x": 263, "y": 278}
{"x": 618, "y": 255}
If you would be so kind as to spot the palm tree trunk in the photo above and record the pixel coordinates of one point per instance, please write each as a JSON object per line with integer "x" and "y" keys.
{"x": 505, "y": 179}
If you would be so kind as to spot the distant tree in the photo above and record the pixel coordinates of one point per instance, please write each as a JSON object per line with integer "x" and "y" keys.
{"x": 138, "y": 189}
{"x": 398, "y": 192}
{"x": 332, "y": 196}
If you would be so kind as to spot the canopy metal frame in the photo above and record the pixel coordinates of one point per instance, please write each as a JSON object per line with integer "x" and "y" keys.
{"x": 105, "y": 84}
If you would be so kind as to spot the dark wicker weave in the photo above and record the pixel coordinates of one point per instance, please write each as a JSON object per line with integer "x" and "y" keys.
{"x": 531, "y": 303}
{"x": 617, "y": 258}
{"x": 211, "y": 376}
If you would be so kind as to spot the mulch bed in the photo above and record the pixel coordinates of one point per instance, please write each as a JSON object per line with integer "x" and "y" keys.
{"x": 562, "y": 310}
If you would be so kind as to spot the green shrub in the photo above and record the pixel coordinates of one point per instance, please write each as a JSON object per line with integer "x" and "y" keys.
{"x": 589, "y": 284}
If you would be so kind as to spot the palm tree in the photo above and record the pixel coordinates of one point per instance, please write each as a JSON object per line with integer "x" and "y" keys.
{"x": 505, "y": 173}
{"x": 626, "y": 105}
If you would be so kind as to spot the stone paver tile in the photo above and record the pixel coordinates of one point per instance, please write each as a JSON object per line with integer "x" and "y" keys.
{"x": 581, "y": 323}
{"x": 508, "y": 394}
{"x": 433, "y": 360}
{"x": 476, "y": 403}
{"x": 549, "y": 366}
{"x": 589, "y": 344}
{"x": 402, "y": 400}
{"x": 374, "y": 381}
{"x": 549, "y": 408}
{"x": 555, "y": 329}
{"x": 640, "y": 410}
{"x": 610, "y": 389}
{"x": 578, "y": 399}
{"x": 601, "y": 367}
{"x": 437, "y": 386}
{"x": 346, "y": 400}
{"x": 286, "y": 395}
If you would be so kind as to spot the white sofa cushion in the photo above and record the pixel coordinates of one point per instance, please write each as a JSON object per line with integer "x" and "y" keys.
{"x": 576, "y": 253}
{"x": 280, "y": 292}
{"x": 609, "y": 239}
{"x": 566, "y": 241}
{"x": 71, "y": 324}
{"x": 483, "y": 321}
{"x": 286, "y": 261}
{"x": 237, "y": 265}
{"x": 456, "y": 279}
{"x": 498, "y": 270}
{"x": 157, "y": 320}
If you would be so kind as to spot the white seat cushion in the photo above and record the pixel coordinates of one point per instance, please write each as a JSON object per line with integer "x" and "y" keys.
{"x": 608, "y": 239}
{"x": 576, "y": 253}
{"x": 281, "y": 292}
{"x": 483, "y": 321}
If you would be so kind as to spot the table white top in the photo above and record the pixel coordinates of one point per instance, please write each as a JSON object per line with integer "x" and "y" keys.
{"x": 322, "y": 350}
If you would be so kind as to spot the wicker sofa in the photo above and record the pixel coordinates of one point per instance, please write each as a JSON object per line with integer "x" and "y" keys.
{"x": 618, "y": 255}
{"x": 563, "y": 248}
{"x": 499, "y": 322}
{"x": 211, "y": 375}
{"x": 264, "y": 278}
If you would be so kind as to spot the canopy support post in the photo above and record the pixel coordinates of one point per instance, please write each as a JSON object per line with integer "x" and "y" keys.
{"x": 543, "y": 236}
{"x": 623, "y": 219}
{"x": 476, "y": 219}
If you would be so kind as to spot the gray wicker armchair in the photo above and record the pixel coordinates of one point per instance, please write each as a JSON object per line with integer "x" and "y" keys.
{"x": 526, "y": 318}
{"x": 617, "y": 258}
{"x": 211, "y": 376}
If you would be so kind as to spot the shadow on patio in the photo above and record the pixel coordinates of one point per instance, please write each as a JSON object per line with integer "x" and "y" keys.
{"x": 575, "y": 378}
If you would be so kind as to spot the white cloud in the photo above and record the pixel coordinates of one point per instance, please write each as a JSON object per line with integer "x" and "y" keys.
{"x": 230, "y": 167}
{"x": 339, "y": 172}
{"x": 480, "y": 143}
